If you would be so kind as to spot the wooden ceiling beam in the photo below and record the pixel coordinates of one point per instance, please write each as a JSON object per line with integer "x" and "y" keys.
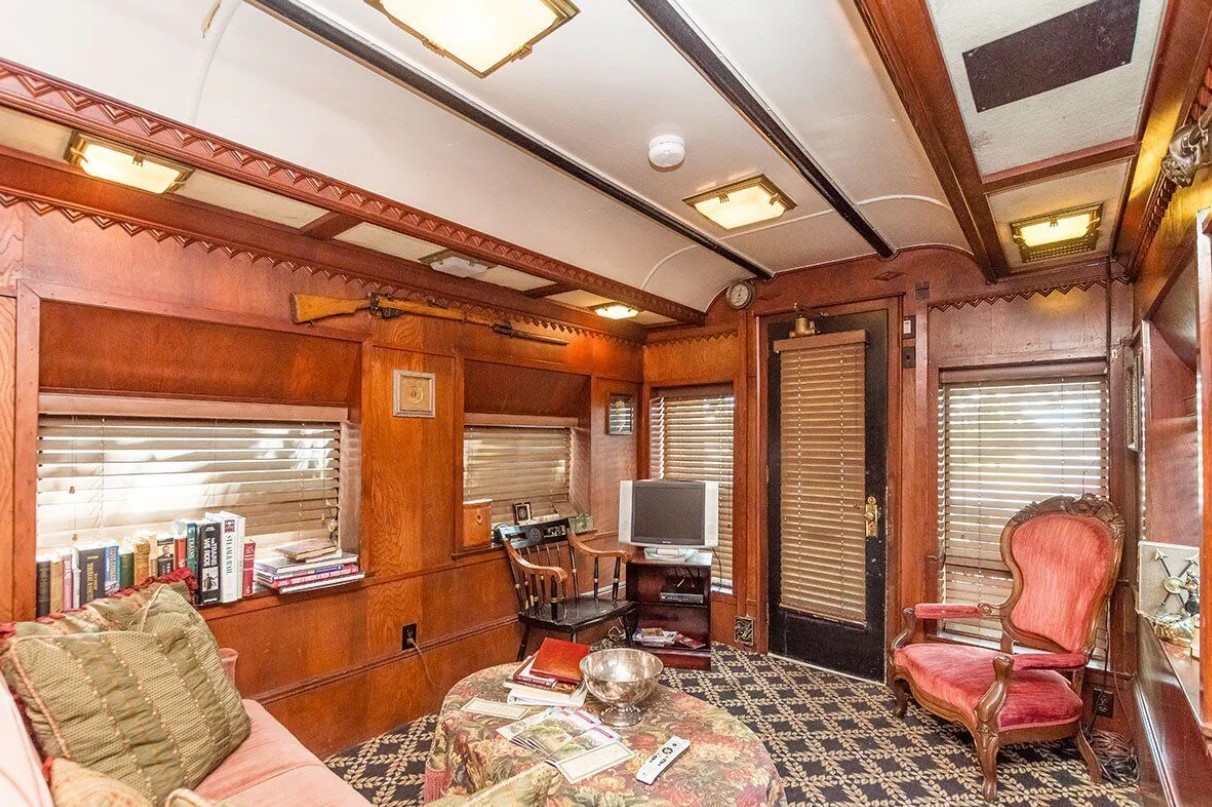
{"x": 1091, "y": 157}
{"x": 549, "y": 290}
{"x": 907, "y": 44}
{"x": 51, "y": 186}
{"x": 330, "y": 225}
{"x": 38, "y": 94}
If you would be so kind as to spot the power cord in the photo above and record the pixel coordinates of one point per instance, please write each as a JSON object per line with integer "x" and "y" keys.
{"x": 424, "y": 666}
{"x": 1115, "y": 756}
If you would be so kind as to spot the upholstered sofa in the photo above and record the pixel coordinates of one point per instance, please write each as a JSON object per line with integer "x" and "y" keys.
{"x": 270, "y": 768}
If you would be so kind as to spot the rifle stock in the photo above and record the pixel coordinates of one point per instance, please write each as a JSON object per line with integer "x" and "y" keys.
{"x": 311, "y": 307}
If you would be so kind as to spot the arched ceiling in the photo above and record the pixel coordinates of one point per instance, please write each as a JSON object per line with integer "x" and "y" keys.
{"x": 595, "y": 91}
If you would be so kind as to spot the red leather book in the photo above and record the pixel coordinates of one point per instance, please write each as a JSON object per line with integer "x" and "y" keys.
{"x": 560, "y": 660}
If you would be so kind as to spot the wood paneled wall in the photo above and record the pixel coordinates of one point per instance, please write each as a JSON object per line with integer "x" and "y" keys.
{"x": 958, "y": 319}
{"x": 84, "y": 305}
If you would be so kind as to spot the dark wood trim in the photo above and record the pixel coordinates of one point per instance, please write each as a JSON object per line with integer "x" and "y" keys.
{"x": 683, "y": 36}
{"x": 1101, "y": 154}
{"x": 330, "y": 225}
{"x": 362, "y": 50}
{"x": 549, "y": 290}
{"x": 48, "y": 187}
{"x": 905, "y": 38}
{"x": 38, "y": 94}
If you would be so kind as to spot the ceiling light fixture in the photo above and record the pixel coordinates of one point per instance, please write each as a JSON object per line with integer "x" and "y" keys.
{"x": 481, "y": 35}
{"x": 452, "y": 263}
{"x": 615, "y": 311}
{"x": 741, "y": 203}
{"x": 1055, "y": 235}
{"x": 113, "y": 162}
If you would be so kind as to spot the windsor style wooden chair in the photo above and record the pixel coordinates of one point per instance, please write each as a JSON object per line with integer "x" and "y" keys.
{"x": 546, "y": 578}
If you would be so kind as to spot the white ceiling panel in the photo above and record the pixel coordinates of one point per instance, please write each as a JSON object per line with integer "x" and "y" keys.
{"x": 222, "y": 192}
{"x": 581, "y": 299}
{"x": 1104, "y": 184}
{"x": 1096, "y": 110}
{"x": 34, "y": 135}
{"x": 381, "y": 239}
{"x": 512, "y": 279}
{"x": 831, "y": 239}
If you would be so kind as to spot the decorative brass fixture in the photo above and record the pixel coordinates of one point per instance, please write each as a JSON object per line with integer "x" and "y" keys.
{"x": 480, "y": 35}
{"x": 615, "y": 311}
{"x": 114, "y": 162}
{"x": 742, "y": 203}
{"x": 1056, "y": 235}
{"x": 1188, "y": 151}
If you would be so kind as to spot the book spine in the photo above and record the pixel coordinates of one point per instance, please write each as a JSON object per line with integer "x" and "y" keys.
{"x": 164, "y": 555}
{"x": 231, "y": 558}
{"x": 208, "y": 563}
{"x": 126, "y": 567}
{"x": 142, "y": 560}
{"x": 43, "y": 581}
{"x": 56, "y": 583}
{"x": 250, "y": 555}
{"x": 69, "y": 580}
{"x": 90, "y": 568}
{"x": 113, "y": 581}
{"x": 191, "y": 547}
{"x": 179, "y": 556}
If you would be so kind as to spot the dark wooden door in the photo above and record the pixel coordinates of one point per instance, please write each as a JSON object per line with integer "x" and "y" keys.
{"x": 828, "y": 456}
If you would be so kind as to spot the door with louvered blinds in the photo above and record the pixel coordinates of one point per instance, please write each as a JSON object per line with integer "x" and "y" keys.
{"x": 1003, "y": 443}
{"x": 827, "y": 447}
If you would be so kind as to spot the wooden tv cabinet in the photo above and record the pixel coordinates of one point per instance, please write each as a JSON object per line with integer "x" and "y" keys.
{"x": 648, "y": 578}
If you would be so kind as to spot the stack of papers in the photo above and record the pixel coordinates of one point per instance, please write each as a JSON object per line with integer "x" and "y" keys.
{"x": 573, "y": 741}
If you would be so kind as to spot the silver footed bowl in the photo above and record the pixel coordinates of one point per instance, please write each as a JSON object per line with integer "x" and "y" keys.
{"x": 621, "y": 678}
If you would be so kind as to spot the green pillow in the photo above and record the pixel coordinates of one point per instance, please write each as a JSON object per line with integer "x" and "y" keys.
{"x": 152, "y": 709}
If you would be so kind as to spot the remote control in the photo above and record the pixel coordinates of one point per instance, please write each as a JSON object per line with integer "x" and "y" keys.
{"x": 664, "y": 756}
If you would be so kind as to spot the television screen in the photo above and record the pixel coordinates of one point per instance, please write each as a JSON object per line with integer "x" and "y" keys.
{"x": 666, "y": 512}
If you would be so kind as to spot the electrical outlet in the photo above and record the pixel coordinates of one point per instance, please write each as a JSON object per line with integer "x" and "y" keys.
{"x": 1104, "y": 703}
{"x": 408, "y": 636}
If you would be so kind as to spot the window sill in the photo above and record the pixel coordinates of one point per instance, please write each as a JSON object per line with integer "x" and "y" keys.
{"x": 263, "y": 598}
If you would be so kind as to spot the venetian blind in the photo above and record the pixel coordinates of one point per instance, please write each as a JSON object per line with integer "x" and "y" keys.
{"x": 691, "y": 438}
{"x": 1002, "y": 445}
{"x": 103, "y": 476}
{"x": 823, "y": 546}
{"x": 513, "y": 464}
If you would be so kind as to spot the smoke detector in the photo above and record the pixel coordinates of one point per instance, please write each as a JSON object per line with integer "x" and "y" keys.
{"x": 666, "y": 152}
{"x": 450, "y": 262}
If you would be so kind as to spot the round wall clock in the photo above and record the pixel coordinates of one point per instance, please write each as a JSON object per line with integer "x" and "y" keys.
{"x": 740, "y": 294}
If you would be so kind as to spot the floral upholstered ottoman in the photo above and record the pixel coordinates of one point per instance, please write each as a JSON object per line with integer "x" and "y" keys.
{"x": 725, "y": 764}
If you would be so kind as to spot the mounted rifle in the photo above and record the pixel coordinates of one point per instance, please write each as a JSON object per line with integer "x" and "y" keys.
{"x": 308, "y": 308}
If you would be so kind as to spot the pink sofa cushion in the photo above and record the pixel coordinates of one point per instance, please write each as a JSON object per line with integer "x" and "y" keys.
{"x": 960, "y": 675}
{"x": 21, "y": 780}
{"x": 273, "y": 769}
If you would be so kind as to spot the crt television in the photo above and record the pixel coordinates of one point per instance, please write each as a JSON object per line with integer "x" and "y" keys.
{"x": 672, "y": 516}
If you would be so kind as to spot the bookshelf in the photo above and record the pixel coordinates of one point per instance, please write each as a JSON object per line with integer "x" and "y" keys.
{"x": 650, "y": 583}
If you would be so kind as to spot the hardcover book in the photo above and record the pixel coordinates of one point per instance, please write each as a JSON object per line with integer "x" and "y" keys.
{"x": 69, "y": 580}
{"x": 90, "y": 573}
{"x": 43, "y": 583}
{"x": 113, "y": 581}
{"x": 560, "y": 660}
{"x": 189, "y": 528}
{"x": 208, "y": 562}
{"x": 56, "y": 582}
{"x": 142, "y": 549}
{"x": 231, "y": 554}
{"x": 250, "y": 555}
{"x": 165, "y": 554}
{"x": 126, "y": 566}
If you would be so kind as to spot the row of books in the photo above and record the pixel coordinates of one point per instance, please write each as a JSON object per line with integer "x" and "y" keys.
{"x": 307, "y": 566}
{"x": 213, "y": 548}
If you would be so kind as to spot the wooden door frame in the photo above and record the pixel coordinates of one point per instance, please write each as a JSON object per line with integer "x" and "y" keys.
{"x": 759, "y": 471}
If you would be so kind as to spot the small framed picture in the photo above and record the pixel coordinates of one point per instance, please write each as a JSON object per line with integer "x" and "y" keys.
{"x": 620, "y": 414}
{"x": 521, "y": 512}
{"x": 413, "y": 395}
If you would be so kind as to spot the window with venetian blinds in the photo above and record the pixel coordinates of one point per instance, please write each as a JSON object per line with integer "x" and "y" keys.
{"x": 511, "y": 464}
{"x": 691, "y": 438}
{"x": 104, "y": 476}
{"x": 1002, "y": 445}
{"x": 822, "y": 545}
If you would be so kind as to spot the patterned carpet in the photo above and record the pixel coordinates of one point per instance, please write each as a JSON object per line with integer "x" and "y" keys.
{"x": 833, "y": 739}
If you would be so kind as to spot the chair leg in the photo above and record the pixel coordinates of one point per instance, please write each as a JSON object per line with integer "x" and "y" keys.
{"x": 572, "y": 637}
{"x": 1092, "y": 766}
{"x": 987, "y": 744}
{"x": 900, "y": 691}
{"x": 525, "y": 641}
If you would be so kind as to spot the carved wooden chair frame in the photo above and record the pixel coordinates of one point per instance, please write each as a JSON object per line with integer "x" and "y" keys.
{"x": 984, "y": 729}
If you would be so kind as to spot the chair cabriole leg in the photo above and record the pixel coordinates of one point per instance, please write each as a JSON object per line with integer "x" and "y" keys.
{"x": 987, "y": 745}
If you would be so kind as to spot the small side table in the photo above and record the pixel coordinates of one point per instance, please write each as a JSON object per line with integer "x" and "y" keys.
{"x": 674, "y": 595}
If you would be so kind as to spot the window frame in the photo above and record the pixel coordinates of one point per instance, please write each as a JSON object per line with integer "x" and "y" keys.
{"x": 480, "y": 420}
{"x": 88, "y": 404}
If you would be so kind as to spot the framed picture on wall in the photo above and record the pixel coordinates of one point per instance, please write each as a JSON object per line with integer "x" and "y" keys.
{"x": 1135, "y": 392}
{"x": 620, "y": 414}
{"x": 413, "y": 394}
{"x": 521, "y": 512}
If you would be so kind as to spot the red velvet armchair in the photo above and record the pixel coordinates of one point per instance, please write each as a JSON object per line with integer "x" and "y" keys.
{"x": 1064, "y": 555}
